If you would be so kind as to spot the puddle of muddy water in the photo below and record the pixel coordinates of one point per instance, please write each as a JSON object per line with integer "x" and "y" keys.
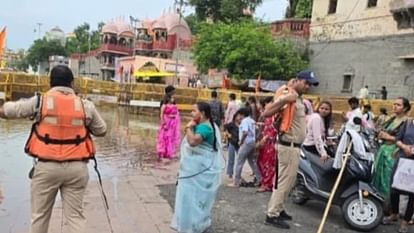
{"x": 128, "y": 146}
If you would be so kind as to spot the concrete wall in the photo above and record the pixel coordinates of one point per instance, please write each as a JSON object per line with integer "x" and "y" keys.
{"x": 74, "y": 66}
{"x": 81, "y": 67}
{"x": 373, "y": 62}
{"x": 353, "y": 19}
{"x": 43, "y": 68}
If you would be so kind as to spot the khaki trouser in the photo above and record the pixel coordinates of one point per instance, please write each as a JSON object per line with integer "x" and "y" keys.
{"x": 71, "y": 179}
{"x": 288, "y": 166}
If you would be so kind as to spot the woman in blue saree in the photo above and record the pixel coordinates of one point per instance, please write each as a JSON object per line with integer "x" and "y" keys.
{"x": 199, "y": 174}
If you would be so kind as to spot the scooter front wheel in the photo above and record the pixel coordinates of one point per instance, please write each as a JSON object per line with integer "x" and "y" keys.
{"x": 362, "y": 218}
{"x": 298, "y": 194}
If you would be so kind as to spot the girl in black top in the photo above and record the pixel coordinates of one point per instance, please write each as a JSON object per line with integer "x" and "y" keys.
{"x": 231, "y": 131}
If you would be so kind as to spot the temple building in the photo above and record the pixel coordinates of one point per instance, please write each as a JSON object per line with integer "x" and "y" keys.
{"x": 56, "y": 34}
{"x": 160, "y": 38}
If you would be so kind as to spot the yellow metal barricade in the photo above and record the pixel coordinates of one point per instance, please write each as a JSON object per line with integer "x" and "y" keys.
{"x": 28, "y": 84}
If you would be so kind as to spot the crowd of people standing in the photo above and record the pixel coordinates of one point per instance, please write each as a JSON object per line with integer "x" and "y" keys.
{"x": 268, "y": 133}
{"x": 250, "y": 133}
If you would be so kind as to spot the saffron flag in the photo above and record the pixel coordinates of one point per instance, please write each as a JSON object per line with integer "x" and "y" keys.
{"x": 2, "y": 42}
{"x": 2, "y": 39}
{"x": 257, "y": 88}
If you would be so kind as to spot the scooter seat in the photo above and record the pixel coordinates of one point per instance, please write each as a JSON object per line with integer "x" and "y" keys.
{"x": 323, "y": 167}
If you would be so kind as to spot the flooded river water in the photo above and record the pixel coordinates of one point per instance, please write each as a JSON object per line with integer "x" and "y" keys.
{"x": 128, "y": 146}
{"x": 140, "y": 191}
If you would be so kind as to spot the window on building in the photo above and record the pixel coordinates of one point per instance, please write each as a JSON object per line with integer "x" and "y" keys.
{"x": 404, "y": 18}
{"x": 372, "y": 3}
{"x": 347, "y": 84}
{"x": 332, "y": 6}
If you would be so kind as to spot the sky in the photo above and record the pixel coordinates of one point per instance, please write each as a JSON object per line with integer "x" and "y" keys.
{"x": 21, "y": 17}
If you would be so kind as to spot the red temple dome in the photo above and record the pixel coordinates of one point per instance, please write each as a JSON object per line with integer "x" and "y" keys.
{"x": 118, "y": 27}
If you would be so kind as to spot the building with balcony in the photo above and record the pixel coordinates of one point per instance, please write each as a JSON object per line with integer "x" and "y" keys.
{"x": 354, "y": 43}
{"x": 294, "y": 30}
{"x": 403, "y": 13}
{"x": 158, "y": 38}
{"x": 10, "y": 58}
{"x": 290, "y": 28}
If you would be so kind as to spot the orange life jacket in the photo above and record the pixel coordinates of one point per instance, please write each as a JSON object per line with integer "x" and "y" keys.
{"x": 283, "y": 119}
{"x": 61, "y": 133}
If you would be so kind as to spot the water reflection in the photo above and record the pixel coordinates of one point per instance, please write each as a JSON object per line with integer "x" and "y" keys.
{"x": 129, "y": 146}
{"x": 14, "y": 167}
{"x": 130, "y": 141}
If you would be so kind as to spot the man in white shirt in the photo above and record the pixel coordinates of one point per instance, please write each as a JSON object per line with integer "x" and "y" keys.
{"x": 199, "y": 84}
{"x": 354, "y": 113}
{"x": 364, "y": 93}
{"x": 232, "y": 108}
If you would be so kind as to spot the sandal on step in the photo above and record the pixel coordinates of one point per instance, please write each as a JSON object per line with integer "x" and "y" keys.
{"x": 403, "y": 227}
{"x": 389, "y": 220}
{"x": 247, "y": 184}
{"x": 233, "y": 185}
{"x": 261, "y": 190}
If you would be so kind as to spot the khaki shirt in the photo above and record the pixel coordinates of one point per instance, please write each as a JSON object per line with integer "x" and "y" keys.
{"x": 26, "y": 107}
{"x": 297, "y": 131}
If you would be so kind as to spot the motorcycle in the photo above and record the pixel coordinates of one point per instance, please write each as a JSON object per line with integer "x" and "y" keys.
{"x": 361, "y": 204}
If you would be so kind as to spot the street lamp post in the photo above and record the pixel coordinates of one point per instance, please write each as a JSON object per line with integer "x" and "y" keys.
{"x": 89, "y": 51}
{"x": 79, "y": 61}
{"x": 39, "y": 25}
{"x": 38, "y": 66}
{"x": 177, "y": 38}
{"x": 177, "y": 47}
{"x": 134, "y": 22}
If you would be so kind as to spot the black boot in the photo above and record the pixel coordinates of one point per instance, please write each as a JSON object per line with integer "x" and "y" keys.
{"x": 277, "y": 222}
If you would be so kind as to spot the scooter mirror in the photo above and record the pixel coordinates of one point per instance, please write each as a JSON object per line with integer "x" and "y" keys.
{"x": 357, "y": 120}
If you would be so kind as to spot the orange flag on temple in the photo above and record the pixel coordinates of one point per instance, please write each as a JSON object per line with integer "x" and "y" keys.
{"x": 257, "y": 89}
{"x": 2, "y": 41}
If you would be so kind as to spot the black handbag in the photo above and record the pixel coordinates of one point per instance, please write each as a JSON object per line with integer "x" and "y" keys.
{"x": 359, "y": 169}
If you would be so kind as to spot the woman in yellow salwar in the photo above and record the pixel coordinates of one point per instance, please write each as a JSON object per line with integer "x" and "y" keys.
{"x": 384, "y": 160}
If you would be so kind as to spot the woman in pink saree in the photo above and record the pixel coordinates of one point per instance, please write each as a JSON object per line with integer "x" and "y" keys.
{"x": 169, "y": 131}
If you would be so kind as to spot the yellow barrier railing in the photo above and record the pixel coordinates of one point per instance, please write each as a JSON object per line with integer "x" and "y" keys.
{"x": 12, "y": 83}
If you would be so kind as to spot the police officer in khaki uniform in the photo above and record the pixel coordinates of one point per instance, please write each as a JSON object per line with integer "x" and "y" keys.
{"x": 288, "y": 146}
{"x": 61, "y": 143}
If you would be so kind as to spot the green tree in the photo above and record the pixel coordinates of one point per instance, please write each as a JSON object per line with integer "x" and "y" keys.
{"x": 96, "y": 36}
{"x": 20, "y": 64}
{"x": 193, "y": 23}
{"x": 299, "y": 9}
{"x": 41, "y": 49}
{"x": 80, "y": 42}
{"x": 206, "y": 8}
{"x": 291, "y": 9}
{"x": 304, "y": 9}
{"x": 223, "y": 10}
{"x": 246, "y": 50}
